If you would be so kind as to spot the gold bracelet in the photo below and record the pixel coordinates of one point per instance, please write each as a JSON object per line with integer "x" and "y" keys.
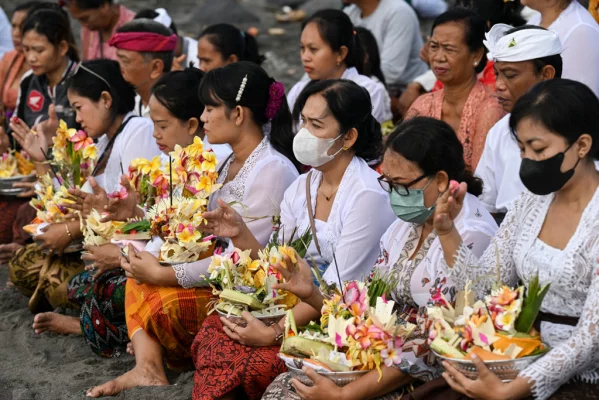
{"x": 66, "y": 225}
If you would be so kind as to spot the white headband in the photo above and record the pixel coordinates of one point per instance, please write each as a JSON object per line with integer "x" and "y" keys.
{"x": 522, "y": 45}
{"x": 163, "y": 17}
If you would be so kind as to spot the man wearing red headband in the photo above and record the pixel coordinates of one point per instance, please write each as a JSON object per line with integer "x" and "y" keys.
{"x": 145, "y": 51}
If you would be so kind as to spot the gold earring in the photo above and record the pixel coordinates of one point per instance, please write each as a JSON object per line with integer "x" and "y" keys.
{"x": 345, "y": 148}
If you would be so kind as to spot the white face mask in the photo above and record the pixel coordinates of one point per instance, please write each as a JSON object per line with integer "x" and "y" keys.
{"x": 311, "y": 150}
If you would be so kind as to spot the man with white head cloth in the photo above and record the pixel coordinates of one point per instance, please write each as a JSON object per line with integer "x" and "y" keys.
{"x": 523, "y": 57}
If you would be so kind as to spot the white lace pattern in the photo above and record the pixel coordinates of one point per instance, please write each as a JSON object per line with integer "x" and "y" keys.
{"x": 574, "y": 287}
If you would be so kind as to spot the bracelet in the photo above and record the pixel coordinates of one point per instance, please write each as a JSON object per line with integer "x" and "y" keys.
{"x": 278, "y": 332}
{"x": 66, "y": 225}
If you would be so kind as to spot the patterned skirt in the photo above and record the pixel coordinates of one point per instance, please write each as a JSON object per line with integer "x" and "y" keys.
{"x": 102, "y": 314}
{"x": 172, "y": 316}
{"x": 224, "y": 365}
{"x": 44, "y": 278}
{"x": 9, "y": 207}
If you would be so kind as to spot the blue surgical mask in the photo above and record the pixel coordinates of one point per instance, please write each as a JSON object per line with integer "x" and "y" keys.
{"x": 411, "y": 208}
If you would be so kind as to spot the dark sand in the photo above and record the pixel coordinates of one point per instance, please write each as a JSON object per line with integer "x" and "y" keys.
{"x": 53, "y": 367}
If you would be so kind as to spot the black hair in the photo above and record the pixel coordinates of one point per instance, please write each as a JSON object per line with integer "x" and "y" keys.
{"x": 27, "y": 7}
{"x": 372, "y": 63}
{"x": 433, "y": 145}
{"x": 222, "y": 85}
{"x": 565, "y": 107}
{"x": 148, "y": 25}
{"x": 54, "y": 24}
{"x": 89, "y": 4}
{"x": 496, "y": 11}
{"x": 228, "y": 41}
{"x": 148, "y": 13}
{"x": 336, "y": 29}
{"x": 350, "y": 105}
{"x": 475, "y": 28}
{"x": 86, "y": 84}
{"x": 539, "y": 63}
{"x": 177, "y": 91}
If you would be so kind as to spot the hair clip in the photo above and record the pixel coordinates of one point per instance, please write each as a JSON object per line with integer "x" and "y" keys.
{"x": 241, "y": 89}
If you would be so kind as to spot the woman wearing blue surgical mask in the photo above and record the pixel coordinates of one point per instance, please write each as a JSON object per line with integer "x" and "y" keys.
{"x": 421, "y": 157}
{"x": 342, "y": 203}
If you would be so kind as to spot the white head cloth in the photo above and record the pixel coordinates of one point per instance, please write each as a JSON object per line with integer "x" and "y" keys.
{"x": 522, "y": 45}
{"x": 163, "y": 17}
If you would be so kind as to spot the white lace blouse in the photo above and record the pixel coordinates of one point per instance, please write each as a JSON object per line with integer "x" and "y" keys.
{"x": 427, "y": 270}
{"x": 360, "y": 214}
{"x": 257, "y": 189}
{"x": 574, "y": 287}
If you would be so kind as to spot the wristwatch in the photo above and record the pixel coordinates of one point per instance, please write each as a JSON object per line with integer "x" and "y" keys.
{"x": 278, "y": 332}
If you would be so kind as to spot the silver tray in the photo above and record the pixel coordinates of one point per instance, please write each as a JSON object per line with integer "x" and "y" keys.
{"x": 6, "y": 183}
{"x": 12, "y": 191}
{"x": 506, "y": 370}
{"x": 267, "y": 320}
{"x": 339, "y": 378}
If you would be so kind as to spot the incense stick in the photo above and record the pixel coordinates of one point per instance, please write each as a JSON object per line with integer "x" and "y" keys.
{"x": 170, "y": 173}
{"x": 338, "y": 277}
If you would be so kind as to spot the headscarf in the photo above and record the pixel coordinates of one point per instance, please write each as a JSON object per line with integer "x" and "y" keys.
{"x": 144, "y": 42}
{"x": 522, "y": 45}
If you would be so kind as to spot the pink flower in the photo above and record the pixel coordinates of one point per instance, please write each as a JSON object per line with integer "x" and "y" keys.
{"x": 81, "y": 140}
{"x": 355, "y": 298}
{"x": 392, "y": 354}
{"x": 275, "y": 100}
{"x": 338, "y": 340}
{"x": 235, "y": 257}
{"x": 121, "y": 195}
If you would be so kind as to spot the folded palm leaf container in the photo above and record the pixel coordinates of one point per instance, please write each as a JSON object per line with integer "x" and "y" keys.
{"x": 236, "y": 300}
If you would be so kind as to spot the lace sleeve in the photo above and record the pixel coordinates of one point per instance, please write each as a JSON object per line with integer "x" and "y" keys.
{"x": 571, "y": 357}
{"x": 482, "y": 271}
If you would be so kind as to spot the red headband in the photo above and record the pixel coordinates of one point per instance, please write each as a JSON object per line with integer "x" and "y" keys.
{"x": 143, "y": 42}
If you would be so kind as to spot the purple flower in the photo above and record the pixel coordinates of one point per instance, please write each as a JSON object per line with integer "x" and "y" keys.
{"x": 275, "y": 100}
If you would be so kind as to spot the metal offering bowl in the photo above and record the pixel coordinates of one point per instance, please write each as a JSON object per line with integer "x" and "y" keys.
{"x": 340, "y": 378}
{"x": 506, "y": 370}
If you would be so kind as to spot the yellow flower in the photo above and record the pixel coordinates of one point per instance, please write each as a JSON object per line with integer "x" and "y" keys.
{"x": 254, "y": 265}
{"x": 210, "y": 161}
{"x": 205, "y": 184}
{"x": 90, "y": 152}
{"x": 151, "y": 166}
{"x": 259, "y": 279}
{"x": 289, "y": 252}
{"x": 196, "y": 148}
{"x": 189, "y": 236}
{"x": 289, "y": 300}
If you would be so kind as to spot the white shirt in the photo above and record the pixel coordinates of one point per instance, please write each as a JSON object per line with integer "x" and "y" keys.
{"x": 360, "y": 214}
{"x": 499, "y": 168}
{"x": 191, "y": 46}
{"x": 381, "y": 102}
{"x": 396, "y": 29}
{"x": 6, "y": 44}
{"x": 133, "y": 142}
{"x": 419, "y": 276}
{"x": 574, "y": 289}
{"x": 258, "y": 190}
{"x": 579, "y": 34}
{"x": 140, "y": 110}
{"x": 429, "y": 9}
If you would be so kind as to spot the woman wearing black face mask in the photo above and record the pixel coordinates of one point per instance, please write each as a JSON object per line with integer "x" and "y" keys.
{"x": 552, "y": 231}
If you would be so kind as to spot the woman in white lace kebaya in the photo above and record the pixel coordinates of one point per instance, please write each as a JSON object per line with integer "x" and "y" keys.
{"x": 164, "y": 310}
{"x": 553, "y": 231}
{"x": 422, "y": 156}
{"x": 343, "y": 205}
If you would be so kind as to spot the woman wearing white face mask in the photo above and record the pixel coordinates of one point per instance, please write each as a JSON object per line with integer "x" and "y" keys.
{"x": 342, "y": 203}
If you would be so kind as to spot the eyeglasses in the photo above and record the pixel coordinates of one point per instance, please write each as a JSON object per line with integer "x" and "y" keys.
{"x": 402, "y": 190}
{"x": 80, "y": 66}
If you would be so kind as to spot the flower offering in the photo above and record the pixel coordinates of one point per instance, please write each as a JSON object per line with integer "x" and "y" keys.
{"x": 14, "y": 164}
{"x": 498, "y": 328}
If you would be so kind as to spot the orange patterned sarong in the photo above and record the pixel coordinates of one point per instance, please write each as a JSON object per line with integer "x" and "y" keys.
{"x": 170, "y": 315}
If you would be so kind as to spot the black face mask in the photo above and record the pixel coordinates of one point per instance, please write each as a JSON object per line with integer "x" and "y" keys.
{"x": 545, "y": 177}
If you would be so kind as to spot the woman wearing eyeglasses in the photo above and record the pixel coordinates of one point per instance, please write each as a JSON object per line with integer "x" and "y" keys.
{"x": 421, "y": 157}
{"x": 103, "y": 103}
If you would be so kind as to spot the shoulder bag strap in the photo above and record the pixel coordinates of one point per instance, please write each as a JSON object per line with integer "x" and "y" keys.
{"x": 311, "y": 213}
